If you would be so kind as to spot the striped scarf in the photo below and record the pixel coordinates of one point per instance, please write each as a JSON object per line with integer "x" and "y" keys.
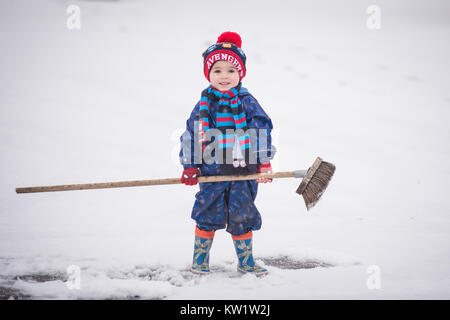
{"x": 230, "y": 115}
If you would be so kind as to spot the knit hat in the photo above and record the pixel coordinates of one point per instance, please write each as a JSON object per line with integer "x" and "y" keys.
{"x": 228, "y": 48}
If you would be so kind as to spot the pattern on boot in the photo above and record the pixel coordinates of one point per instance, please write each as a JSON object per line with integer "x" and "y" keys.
{"x": 200, "y": 262}
{"x": 246, "y": 263}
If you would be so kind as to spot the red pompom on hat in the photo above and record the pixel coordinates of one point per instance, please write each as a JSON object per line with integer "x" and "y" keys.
{"x": 230, "y": 37}
{"x": 227, "y": 48}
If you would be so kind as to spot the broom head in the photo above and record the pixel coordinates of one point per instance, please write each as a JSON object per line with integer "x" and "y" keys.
{"x": 316, "y": 181}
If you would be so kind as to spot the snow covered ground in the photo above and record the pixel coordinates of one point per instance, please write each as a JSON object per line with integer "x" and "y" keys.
{"x": 108, "y": 102}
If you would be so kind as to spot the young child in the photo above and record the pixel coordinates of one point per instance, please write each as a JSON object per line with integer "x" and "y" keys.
{"x": 226, "y": 105}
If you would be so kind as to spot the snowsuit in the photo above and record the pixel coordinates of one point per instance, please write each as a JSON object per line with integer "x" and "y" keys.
{"x": 230, "y": 204}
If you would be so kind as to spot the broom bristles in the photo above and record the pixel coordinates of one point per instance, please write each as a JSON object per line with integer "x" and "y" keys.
{"x": 317, "y": 183}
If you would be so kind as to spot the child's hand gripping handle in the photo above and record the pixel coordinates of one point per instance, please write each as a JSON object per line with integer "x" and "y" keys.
{"x": 190, "y": 176}
{"x": 264, "y": 168}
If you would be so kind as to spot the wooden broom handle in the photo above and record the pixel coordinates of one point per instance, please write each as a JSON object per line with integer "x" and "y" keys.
{"x": 154, "y": 182}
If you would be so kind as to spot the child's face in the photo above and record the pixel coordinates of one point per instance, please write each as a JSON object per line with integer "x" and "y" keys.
{"x": 224, "y": 76}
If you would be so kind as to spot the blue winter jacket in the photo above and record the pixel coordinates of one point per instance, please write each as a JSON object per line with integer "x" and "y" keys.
{"x": 257, "y": 118}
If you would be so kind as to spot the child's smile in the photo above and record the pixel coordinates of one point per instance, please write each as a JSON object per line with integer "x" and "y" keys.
{"x": 224, "y": 76}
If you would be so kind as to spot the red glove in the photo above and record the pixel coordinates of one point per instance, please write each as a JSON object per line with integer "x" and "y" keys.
{"x": 265, "y": 167}
{"x": 190, "y": 176}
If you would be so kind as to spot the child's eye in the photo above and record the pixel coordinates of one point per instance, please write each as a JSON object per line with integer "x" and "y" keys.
{"x": 216, "y": 71}
{"x": 231, "y": 71}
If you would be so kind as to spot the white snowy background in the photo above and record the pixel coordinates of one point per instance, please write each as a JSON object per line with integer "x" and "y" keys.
{"x": 109, "y": 101}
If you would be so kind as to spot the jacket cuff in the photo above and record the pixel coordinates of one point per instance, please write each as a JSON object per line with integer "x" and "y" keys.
{"x": 264, "y": 166}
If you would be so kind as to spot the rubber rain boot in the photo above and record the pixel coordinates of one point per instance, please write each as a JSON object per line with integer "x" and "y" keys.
{"x": 202, "y": 246}
{"x": 243, "y": 245}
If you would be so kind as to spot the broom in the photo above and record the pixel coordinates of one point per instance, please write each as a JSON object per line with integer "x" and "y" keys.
{"x": 315, "y": 181}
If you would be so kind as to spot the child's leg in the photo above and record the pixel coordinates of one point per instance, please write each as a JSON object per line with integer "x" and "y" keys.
{"x": 242, "y": 217}
{"x": 244, "y": 249}
{"x": 202, "y": 246}
{"x": 210, "y": 207}
{"x": 242, "y": 212}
